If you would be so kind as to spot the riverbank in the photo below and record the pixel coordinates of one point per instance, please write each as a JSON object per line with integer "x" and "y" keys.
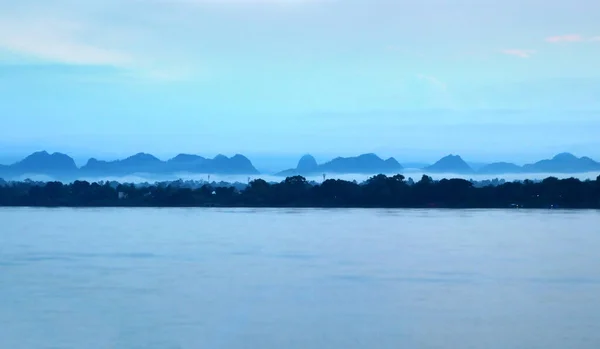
{"x": 378, "y": 192}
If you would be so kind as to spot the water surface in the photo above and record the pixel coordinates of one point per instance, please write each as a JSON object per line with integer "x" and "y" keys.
{"x": 209, "y": 278}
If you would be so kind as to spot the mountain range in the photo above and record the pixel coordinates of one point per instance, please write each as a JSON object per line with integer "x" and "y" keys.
{"x": 62, "y": 166}
{"x": 362, "y": 164}
{"x": 147, "y": 163}
{"x": 565, "y": 163}
{"x": 450, "y": 164}
{"x": 372, "y": 164}
{"x": 59, "y": 165}
{"x": 562, "y": 163}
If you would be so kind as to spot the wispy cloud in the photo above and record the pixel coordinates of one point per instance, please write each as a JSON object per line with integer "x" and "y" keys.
{"x": 56, "y": 41}
{"x": 35, "y": 35}
{"x": 571, "y": 38}
{"x": 432, "y": 80}
{"x": 152, "y": 38}
{"x": 565, "y": 38}
{"x": 519, "y": 53}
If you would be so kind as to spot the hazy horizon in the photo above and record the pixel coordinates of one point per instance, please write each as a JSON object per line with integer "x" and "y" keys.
{"x": 273, "y": 163}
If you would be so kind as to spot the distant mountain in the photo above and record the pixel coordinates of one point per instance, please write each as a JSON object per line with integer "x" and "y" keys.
{"x": 187, "y": 163}
{"x": 138, "y": 163}
{"x": 238, "y": 164}
{"x": 63, "y": 167}
{"x": 146, "y": 163}
{"x": 363, "y": 164}
{"x": 307, "y": 164}
{"x": 366, "y": 163}
{"x": 563, "y": 163}
{"x": 56, "y": 164}
{"x": 500, "y": 168}
{"x": 450, "y": 164}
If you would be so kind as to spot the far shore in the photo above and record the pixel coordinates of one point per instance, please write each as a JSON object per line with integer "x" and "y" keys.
{"x": 379, "y": 191}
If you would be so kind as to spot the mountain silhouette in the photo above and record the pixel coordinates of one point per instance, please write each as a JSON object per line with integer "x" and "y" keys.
{"x": 563, "y": 163}
{"x": 366, "y": 163}
{"x": 146, "y": 163}
{"x": 56, "y": 164}
{"x": 500, "y": 168}
{"x": 187, "y": 163}
{"x": 238, "y": 164}
{"x": 362, "y": 164}
{"x": 307, "y": 164}
{"x": 61, "y": 166}
{"x": 138, "y": 163}
{"x": 450, "y": 164}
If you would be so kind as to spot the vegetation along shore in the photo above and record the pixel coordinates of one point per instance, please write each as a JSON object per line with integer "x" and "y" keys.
{"x": 378, "y": 192}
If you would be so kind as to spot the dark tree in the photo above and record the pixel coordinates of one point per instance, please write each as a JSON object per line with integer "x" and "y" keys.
{"x": 377, "y": 191}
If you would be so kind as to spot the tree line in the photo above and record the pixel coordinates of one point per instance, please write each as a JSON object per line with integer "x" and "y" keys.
{"x": 378, "y": 192}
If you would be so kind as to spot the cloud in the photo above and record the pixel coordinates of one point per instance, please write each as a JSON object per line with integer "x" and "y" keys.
{"x": 59, "y": 44}
{"x": 565, "y": 38}
{"x": 156, "y": 38}
{"x": 432, "y": 80}
{"x": 64, "y": 35}
{"x": 519, "y": 53}
{"x": 56, "y": 40}
{"x": 570, "y": 38}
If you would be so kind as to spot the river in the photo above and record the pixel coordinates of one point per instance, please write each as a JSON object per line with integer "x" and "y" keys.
{"x": 299, "y": 278}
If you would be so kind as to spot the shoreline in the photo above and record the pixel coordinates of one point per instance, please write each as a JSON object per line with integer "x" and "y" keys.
{"x": 318, "y": 208}
{"x": 379, "y": 191}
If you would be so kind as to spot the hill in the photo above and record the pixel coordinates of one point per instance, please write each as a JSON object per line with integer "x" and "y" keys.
{"x": 187, "y": 163}
{"x": 146, "y": 163}
{"x": 366, "y": 164}
{"x": 138, "y": 163}
{"x": 307, "y": 164}
{"x": 563, "y": 163}
{"x": 56, "y": 164}
{"x": 238, "y": 164}
{"x": 63, "y": 167}
{"x": 450, "y": 164}
{"x": 362, "y": 164}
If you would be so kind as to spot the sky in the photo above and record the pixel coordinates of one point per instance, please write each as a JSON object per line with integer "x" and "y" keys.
{"x": 490, "y": 80}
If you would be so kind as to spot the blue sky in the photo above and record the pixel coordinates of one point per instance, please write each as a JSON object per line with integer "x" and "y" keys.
{"x": 491, "y": 80}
